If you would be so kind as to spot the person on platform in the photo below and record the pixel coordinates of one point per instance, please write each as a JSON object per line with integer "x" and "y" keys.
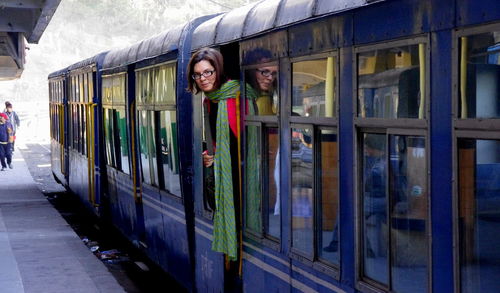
{"x": 13, "y": 119}
{"x": 6, "y": 140}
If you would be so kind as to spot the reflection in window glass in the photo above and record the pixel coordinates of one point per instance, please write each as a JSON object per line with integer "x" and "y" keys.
{"x": 408, "y": 191}
{"x": 147, "y": 147}
{"x": 313, "y": 93}
{"x": 404, "y": 186}
{"x": 329, "y": 230}
{"x": 262, "y": 90}
{"x": 272, "y": 200}
{"x": 169, "y": 151}
{"x": 391, "y": 82}
{"x": 374, "y": 199}
{"x": 121, "y": 122}
{"x": 480, "y": 76}
{"x": 302, "y": 190}
{"x": 479, "y": 214}
{"x": 253, "y": 177}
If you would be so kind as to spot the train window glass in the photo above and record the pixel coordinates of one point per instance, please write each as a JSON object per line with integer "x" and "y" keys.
{"x": 302, "y": 200}
{"x": 169, "y": 152}
{"x": 262, "y": 90}
{"x": 108, "y": 136}
{"x": 272, "y": 199}
{"x": 90, "y": 86}
{"x": 169, "y": 84}
{"x": 84, "y": 113}
{"x": 121, "y": 124}
{"x": 479, "y": 214}
{"x": 85, "y": 88}
{"x": 253, "y": 181}
{"x": 479, "y": 76}
{"x": 119, "y": 89}
{"x": 394, "y": 217}
{"x": 391, "y": 82}
{"x": 329, "y": 200}
{"x": 147, "y": 147}
{"x": 313, "y": 88}
{"x": 75, "y": 126}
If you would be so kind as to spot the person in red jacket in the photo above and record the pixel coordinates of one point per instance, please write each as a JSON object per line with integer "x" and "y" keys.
{"x": 6, "y": 139}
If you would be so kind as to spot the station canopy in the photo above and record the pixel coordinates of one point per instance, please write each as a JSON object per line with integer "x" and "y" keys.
{"x": 21, "y": 21}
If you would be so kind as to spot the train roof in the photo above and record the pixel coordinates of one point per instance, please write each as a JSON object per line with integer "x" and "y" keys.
{"x": 264, "y": 16}
{"x": 58, "y": 73}
{"x": 160, "y": 44}
{"x": 87, "y": 62}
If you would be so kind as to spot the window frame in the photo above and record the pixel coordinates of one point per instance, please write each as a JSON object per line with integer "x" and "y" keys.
{"x": 465, "y": 128}
{"x": 388, "y": 126}
{"x": 316, "y": 124}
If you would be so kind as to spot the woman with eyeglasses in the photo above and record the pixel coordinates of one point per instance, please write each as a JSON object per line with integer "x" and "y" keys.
{"x": 221, "y": 103}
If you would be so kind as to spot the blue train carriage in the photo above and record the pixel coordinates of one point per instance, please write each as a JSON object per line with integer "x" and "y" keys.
{"x": 147, "y": 127}
{"x": 83, "y": 137}
{"x": 358, "y": 148}
{"x": 57, "y": 112}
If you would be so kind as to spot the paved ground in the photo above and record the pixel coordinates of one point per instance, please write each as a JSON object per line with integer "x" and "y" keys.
{"x": 39, "y": 252}
{"x": 42, "y": 229}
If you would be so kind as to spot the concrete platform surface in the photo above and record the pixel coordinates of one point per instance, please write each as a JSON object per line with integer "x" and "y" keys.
{"x": 39, "y": 252}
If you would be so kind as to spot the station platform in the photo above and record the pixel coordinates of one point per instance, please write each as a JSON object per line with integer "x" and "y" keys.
{"x": 39, "y": 252}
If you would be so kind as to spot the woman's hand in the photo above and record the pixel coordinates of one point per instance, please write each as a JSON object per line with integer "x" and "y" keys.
{"x": 208, "y": 160}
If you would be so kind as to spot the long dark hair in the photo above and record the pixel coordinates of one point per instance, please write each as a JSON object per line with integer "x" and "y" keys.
{"x": 216, "y": 60}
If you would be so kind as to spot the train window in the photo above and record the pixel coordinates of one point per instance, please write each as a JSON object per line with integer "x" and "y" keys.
{"x": 313, "y": 83}
{"x": 108, "y": 131}
{"x": 391, "y": 82}
{"x": 84, "y": 113}
{"x": 479, "y": 214}
{"x": 302, "y": 197}
{"x": 328, "y": 225}
{"x": 155, "y": 89}
{"x": 394, "y": 211}
{"x": 121, "y": 125}
{"x": 262, "y": 178}
{"x": 147, "y": 147}
{"x": 262, "y": 93}
{"x": 479, "y": 63}
{"x": 169, "y": 157}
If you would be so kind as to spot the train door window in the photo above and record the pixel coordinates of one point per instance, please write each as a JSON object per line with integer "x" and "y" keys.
{"x": 478, "y": 158}
{"x": 262, "y": 178}
{"x": 148, "y": 147}
{"x": 314, "y": 198}
{"x": 392, "y": 165}
{"x": 108, "y": 135}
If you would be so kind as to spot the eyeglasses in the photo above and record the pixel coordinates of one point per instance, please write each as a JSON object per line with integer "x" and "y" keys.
{"x": 205, "y": 74}
{"x": 267, "y": 73}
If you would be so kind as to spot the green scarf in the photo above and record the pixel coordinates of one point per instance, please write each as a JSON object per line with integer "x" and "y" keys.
{"x": 252, "y": 170}
{"x": 225, "y": 238}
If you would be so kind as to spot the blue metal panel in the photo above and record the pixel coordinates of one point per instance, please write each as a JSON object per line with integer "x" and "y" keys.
{"x": 346, "y": 185}
{"x": 204, "y": 34}
{"x": 473, "y": 12}
{"x": 441, "y": 199}
{"x": 325, "y": 34}
{"x": 261, "y": 18}
{"x": 407, "y": 17}
{"x": 231, "y": 25}
{"x": 294, "y": 10}
{"x": 330, "y": 6}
